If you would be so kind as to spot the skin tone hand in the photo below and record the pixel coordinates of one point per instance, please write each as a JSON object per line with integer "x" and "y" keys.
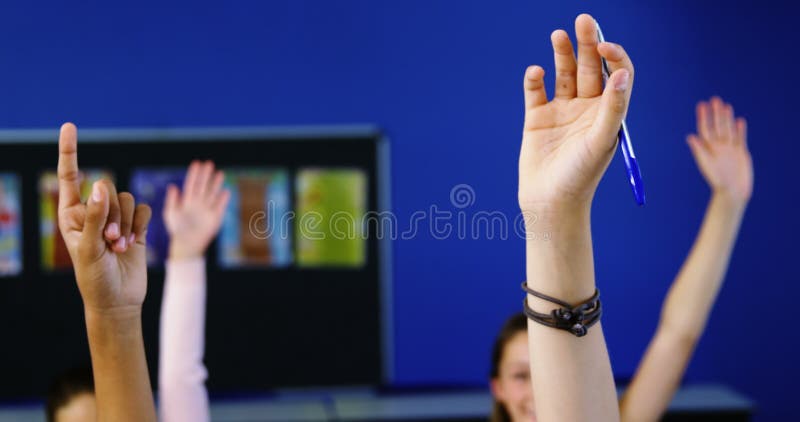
{"x": 111, "y": 276}
{"x": 567, "y": 144}
{"x": 194, "y": 218}
{"x": 720, "y": 151}
{"x": 112, "y": 279}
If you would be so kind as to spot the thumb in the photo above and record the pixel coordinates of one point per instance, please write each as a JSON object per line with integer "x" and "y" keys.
{"x": 696, "y": 145}
{"x": 613, "y": 107}
{"x": 171, "y": 200}
{"x": 700, "y": 152}
{"x": 92, "y": 243}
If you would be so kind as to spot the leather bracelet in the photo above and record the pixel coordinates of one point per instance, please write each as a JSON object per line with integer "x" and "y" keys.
{"x": 576, "y": 319}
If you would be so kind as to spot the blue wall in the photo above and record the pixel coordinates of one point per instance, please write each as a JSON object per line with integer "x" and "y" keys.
{"x": 444, "y": 80}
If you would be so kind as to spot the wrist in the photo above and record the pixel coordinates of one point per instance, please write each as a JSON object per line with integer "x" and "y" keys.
{"x": 119, "y": 314}
{"x": 559, "y": 253}
{"x": 179, "y": 252}
{"x": 107, "y": 323}
{"x": 546, "y": 220}
{"x": 728, "y": 201}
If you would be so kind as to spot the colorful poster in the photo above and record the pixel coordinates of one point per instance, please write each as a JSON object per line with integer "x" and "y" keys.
{"x": 149, "y": 186}
{"x": 10, "y": 226}
{"x": 329, "y": 226}
{"x": 255, "y": 229}
{"x": 54, "y": 251}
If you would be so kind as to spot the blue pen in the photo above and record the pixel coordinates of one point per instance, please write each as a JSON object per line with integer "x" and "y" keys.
{"x": 634, "y": 174}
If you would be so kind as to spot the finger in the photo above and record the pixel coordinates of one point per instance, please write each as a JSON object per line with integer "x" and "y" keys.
{"x": 617, "y": 58}
{"x": 705, "y": 126}
{"x": 700, "y": 151}
{"x": 613, "y": 106}
{"x": 69, "y": 193}
{"x": 590, "y": 73}
{"x": 718, "y": 117}
{"x": 112, "y": 231}
{"x": 141, "y": 218}
{"x": 566, "y": 66}
{"x": 189, "y": 180}
{"x": 92, "y": 245}
{"x": 222, "y": 203}
{"x": 216, "y": 186}
{"x": 172, "y": 199}
{"x": 126, "y": 208}
{"x": 206, "y": 170}
{"x": 730, "y": 123}
{"x": 535, "y": 94}
{"x": 741, "y": 132}
{"x": 697, "y": 145}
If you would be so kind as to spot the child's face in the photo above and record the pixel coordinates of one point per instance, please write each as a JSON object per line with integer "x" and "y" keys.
{"x": 81, "y": 408}
{"x": 512, "y": 387}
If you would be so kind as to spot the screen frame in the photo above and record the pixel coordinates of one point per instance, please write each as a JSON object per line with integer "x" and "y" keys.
{"x": 265, "y": 134}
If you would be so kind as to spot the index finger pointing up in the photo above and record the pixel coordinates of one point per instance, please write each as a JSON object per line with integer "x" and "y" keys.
{"x": 68, "y": 174}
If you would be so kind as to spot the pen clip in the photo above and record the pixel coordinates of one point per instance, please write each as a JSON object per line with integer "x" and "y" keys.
{"x": 604, "y": 63}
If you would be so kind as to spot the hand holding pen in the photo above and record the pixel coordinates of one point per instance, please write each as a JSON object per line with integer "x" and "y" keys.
{"x": 568, "y": 142}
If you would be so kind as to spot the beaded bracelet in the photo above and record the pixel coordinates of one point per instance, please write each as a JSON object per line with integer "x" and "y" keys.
{"x": 575, "y": 319}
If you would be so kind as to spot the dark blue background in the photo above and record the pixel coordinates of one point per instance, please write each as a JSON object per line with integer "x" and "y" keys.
{"x": 444, "y": 80}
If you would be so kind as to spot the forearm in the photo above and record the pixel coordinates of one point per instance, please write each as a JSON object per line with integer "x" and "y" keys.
{"x": 559, "y": 258}
{"x": 684, "y": 314}
{"x": 122, "y": 383}
{"x": 182, "y": 394}
{"x": 695, "y": 289}
{"x": 657, "y": 378}
{"x": 566, "y": 370}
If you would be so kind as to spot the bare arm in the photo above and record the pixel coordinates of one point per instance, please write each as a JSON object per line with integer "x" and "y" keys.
{"x": 572, "y": 378}
{"x": 567, "y": 144}
{"x": 721, "y": 153}
{"x": 106, "y": 242}
{"x": 122, "y": 383}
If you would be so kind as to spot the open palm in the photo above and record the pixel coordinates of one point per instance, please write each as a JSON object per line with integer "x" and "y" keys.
{"x": 194, "y": 216}
{"x": 110, "y": 273}
{"x": 720, "y": 150}
{"x": 568, "y": 142}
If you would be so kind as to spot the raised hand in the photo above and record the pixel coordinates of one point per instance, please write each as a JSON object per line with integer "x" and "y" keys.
{"x": 720, "y": 150}
{"x": 110, "y": 275}
{"x": 568, "y": 142}
{"x": 111, "y": 270}
{"x": 193, "y": 218}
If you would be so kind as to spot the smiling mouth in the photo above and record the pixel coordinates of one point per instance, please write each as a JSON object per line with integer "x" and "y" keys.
{"x": 530, "y": 413}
